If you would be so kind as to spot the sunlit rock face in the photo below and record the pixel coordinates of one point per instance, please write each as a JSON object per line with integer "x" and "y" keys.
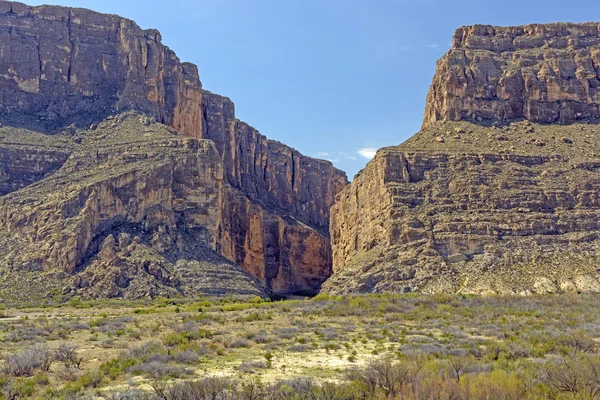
{"x": 543, "y": 73}
{"x": 498, "y": 193}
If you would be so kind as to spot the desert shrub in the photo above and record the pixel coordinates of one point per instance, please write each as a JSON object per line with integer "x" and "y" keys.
{"x": 576, "y": 374}
{"x": 577, "y": 341}
{"x": 115, "y": 368}
{"x": 240, "y": 342}
{"x": 25, "y": 363}
{"x": 287, "y": 333}
{"x": 187, "y": 357}
{"x": 251, "y": 366}
{"x": 299, "y": 348}
{"x": 387, "y": 376}
{"x": 184, "y": 337}
{"x": 89, "y": 380}
{"x": 497, "y": 384}
{"x": 68, "y": 354}
{"x": 203, "y": 389}
{"x": 130, "y": 394}
{"x": 261, "y": 337}
{"x": 157, "y": 357}
{"x": 41, "y": 379}
{"x": 145, "y": 349}
{"x": 176, "y": 339}
{"x": 159, "y": 370}
{"x": 16, "y": 389}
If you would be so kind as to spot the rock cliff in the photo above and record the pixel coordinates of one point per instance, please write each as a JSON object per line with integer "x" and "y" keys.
{"x": 482, "y": 199}
{"x": 62, "y": 64}
{"x": 543, "y": 73}
{"x": 97, "y": 190}
{"x": 276, "y": 205}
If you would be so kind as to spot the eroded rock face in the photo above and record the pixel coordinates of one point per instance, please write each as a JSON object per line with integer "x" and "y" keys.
{"x": 276, "y": 203}
{"x": 73, "y": 69}
{"x": 134, "y": 212}
{"x": 268, "y": 172}
{"x": 496, "y": 193}
{"x": 285, "y": 254}
{"x": 543, "y": 73}
{"x": 474, "y": 223}
{"x": 58, "y": 64}
{"x": 20, "y": 167}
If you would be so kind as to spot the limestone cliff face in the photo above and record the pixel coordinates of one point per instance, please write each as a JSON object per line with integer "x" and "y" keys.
{"x": 276, "y": 203}
{"x": 66, "y": 70}
{"x": 475, "y": 223}
{"x": 282, "y": 252}
{"x": 268, "y": 172}
{"x": 543, "y": 73}
{"x": 59, "y": 64}
{"x": 21, "y": 167}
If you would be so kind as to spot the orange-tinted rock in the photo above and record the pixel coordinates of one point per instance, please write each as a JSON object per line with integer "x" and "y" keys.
{"x": 285, "y": 254}
{"x": 277, "y": 201}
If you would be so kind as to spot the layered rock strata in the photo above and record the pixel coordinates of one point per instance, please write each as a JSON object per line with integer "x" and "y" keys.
{"x": 128, "y": 211}
{"x": 485, "y": 198}
{"x": 543, "y": 73}
{"x": 276, "y": 205}
{"x": 62, "y": 64}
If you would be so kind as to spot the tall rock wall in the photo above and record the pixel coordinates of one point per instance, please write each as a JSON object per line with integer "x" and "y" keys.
{"x": 58, "y": 64}
{"x": 134, "y": 211}
{"x": 269, "y": 172}
{"x": 543, "y": 73}
{"x": 276, "y": 205}
{"x": 498, "y": 192}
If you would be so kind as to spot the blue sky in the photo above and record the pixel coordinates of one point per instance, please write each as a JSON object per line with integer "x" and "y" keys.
{"x": 336, "y": 79}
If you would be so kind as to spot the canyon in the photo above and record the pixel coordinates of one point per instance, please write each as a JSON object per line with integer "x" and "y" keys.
{"x": 122, "y": 177}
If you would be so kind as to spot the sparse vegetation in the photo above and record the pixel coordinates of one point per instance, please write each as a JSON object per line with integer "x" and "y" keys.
{"x": 351, "y": 347}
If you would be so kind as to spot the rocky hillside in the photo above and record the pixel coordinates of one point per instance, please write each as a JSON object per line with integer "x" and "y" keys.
{"x": 485, "y": 198}
{"x": 121, "y": 177}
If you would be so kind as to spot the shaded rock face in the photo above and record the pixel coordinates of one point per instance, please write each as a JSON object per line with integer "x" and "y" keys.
{"x": 285, "y": 254}
{"x": 276, "y": 203}
{"x": 60, "y": 64}
{"x": 543, "y": 73}
{"x": 268, "y": 172}
{"x": 257, "y": 202}
{"x": 22, "y": 167}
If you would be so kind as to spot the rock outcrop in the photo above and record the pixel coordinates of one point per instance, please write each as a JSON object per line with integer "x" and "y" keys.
{"x": 59, "y": 65}
{"x": 131, "y": 206}
{"x": 480, "y": 200}
{"x": 81, "y": 178}
{"x": 543, "y": 73}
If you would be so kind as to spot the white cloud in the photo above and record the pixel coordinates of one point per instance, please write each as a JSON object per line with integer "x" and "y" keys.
{"x": 367, "y": 152}
{"x": 346, "y": 156}
{"x": 433, "y": 46}
{"x": 322, "y": 154}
